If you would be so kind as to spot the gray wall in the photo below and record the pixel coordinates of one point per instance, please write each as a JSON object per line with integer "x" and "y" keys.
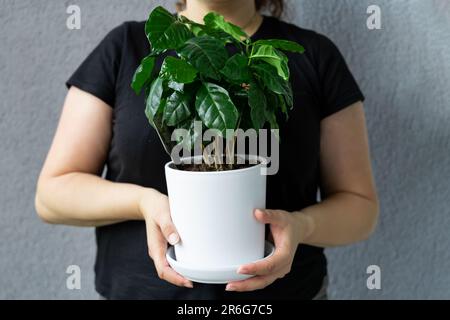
{"x": 404, "y": 70}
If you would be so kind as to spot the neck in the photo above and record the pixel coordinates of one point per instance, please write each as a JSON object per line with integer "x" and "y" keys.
{"x": 238, "y": 12}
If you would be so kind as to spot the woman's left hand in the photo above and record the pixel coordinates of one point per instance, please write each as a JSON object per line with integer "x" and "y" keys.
{"x": 288, "y": 230}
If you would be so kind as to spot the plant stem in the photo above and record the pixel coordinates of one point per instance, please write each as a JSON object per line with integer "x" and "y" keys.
{"x": 251, "y": 54}
{"x": 233, "y": 144}
{"x": 217, "y": 153}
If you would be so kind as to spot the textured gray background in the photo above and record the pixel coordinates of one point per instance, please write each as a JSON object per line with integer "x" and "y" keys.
{"x": 404, "y": 70}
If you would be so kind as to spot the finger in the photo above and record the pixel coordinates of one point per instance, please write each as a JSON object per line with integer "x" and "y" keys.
{"x": 255, "y": 283}
{"x": 268, "y": 266}
{"x": 269, "y": 216}
{"x": 277, "y": 219}
{"x": 166, "y": 273}
{"x": 167, "y": 228}
{"x": 157, "y": 246}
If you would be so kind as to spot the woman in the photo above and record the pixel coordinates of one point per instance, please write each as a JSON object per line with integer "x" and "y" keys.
{"x": 324, "y": 146}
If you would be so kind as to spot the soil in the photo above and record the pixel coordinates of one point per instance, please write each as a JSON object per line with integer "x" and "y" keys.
{"x": 203, "y": 167}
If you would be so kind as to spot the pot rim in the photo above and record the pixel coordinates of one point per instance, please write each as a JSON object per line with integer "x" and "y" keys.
{"x": 262, "y": 163}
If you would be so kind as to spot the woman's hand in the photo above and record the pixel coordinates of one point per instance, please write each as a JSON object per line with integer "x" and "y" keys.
{"x": 287, "y": 230}
{"x": 154, "y": 207}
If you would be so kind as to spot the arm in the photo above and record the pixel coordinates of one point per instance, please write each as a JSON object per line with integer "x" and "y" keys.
{"x": 349, "y": 210}
{"x": 348, "y": 213}
{"x": 71, "y": 192}
{"x": 69, "y": 189}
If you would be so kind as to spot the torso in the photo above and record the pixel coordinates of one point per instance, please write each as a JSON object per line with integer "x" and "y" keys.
{"x": 136, "y": 155}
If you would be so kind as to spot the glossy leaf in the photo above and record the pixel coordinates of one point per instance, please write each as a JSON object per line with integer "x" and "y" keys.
{"x": 176, "y": 86}
{"x": 189, "y": 125}
{"x": 216, "y": 21}
{"x": 288, "y": 95}
{"x": 273, "y": 82}
{"x": 202, "y": 82}
{"x": 258, "y": 104}
{"x": 194, "y": 27}
{"x": 236, "y": 69}
{"x": 273, "y": 57}
{"x": 154, "y": 103}
{"x": 177, "y": 108}
{"x": 202, "y": 30}
{"x": 282, "y": 104}
{"x": 177, "y": 70}
{"x": 164, "y": 31}
{"x": 270, "y": 78}
{"x": 207, "y": 54}
{"x": 215, "y": 108}
{"x": 271, "y": 112}
{"x": 143, "y": 74}
{"x": 285, "y": 45}
{"x": 220, "y": 35}
{"x": 186, "y": 20}
{"x": 197, "y": 29}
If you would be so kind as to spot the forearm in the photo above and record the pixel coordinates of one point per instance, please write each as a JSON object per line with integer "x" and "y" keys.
{"x": 87, "y": 200}
{"x": 341, "y": 219}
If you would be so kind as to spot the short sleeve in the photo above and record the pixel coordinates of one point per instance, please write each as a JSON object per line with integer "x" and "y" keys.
{"x": 98, "y": 73}
{"x": 338, "y": 86}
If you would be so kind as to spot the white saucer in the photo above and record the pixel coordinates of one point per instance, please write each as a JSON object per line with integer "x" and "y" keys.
{"x": 212, "y": 275}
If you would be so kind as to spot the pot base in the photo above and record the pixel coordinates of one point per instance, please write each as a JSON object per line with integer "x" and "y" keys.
{"x": 212, "y": 275}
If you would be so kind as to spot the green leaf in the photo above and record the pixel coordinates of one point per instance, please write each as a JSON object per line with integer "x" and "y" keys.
{"x": 270, "y": 78}
{"x": 283, "y": 66}
{"x": 236, "y": 69}
{"x": 258, "y": 104}
{"x": 215, "y": 108}
{"x": 273, "y": 57}
{"x": 177, "y": 70}
{"x": 285, "y": 45}
{"x": 143, "y": 74}
{"x": 220, "y": 35}
{"x": 176, "y": 86}
{"x": 216, "y": 21}
{"x": 154, "y": 103}
{"x": 207, "y": 54}
{"x": 273, "y": 82}
{"x": 272, "y": 119}
{"x": 282, "y": 104}
{"x": 185, "y": 20}
{"x": 194, "y": 27}
{"x": 288, "y": 95}
{"x": 197, "y": 29}
{"x": 271, "y": 112}
{"x": 203, "y": 30}
{"x": 177, "y": 108}
{"x": 193, "y": 134}
{"x": 164, "y": 31}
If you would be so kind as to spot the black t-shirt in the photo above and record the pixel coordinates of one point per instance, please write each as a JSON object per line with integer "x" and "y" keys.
{"x": 322, "y": 85}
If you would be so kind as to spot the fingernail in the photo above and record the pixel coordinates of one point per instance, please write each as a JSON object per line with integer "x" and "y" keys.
{"x": 229, "y": 288}
{"x": 173, "y": 239}
{"x": 242, "y": 270}
{"x": 188, "y": 285}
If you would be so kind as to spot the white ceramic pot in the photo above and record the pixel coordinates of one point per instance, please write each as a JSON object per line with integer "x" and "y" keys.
{"x": 214, "y": 215}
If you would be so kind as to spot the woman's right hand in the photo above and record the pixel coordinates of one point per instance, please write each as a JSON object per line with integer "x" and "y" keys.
{"x": 154, "y": 207}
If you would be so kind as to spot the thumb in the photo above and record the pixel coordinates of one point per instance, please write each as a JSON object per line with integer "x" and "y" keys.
{"x": 267, "y": 216}
{"x": 168, "y": 230}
